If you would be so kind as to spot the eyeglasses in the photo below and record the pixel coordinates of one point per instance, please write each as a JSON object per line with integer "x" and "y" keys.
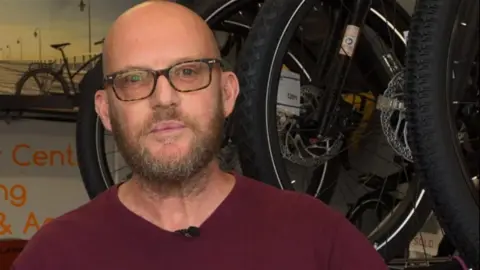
{"x": 187, "y": 76}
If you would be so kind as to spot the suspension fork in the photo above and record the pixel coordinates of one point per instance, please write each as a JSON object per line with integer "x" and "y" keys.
{"x": 340, "y": 62}
{"x": 328, "y": 49}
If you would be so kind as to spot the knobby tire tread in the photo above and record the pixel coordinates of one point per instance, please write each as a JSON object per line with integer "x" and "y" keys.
{"x": 253, "y": 70}
{"x": 431, "y": 142}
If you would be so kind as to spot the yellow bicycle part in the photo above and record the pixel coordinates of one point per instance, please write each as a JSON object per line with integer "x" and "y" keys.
{"x": 363, "y": 103}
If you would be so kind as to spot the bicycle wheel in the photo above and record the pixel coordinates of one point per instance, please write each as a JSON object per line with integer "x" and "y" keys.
{"x": 46, "y": 79}
{"x": 89, "y": 138}
{"x": 259, "y": 69}
{"x": 99, "y": 170}
{"x": 443, "y": 104}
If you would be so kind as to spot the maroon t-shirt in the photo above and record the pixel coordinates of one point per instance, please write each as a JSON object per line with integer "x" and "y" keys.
{"x": 257, "y": 227}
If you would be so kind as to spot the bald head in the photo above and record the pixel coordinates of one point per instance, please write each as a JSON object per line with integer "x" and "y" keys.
{"x": 156, "y": 34}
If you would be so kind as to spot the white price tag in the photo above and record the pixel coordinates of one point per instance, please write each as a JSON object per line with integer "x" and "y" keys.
{"x": 289, "y": 94}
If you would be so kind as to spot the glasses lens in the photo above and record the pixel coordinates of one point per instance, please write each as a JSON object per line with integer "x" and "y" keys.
{"x": 190, "y": 76}
{"x": 134, "y": 84}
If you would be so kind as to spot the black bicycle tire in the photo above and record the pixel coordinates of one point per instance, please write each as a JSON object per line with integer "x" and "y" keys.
{"x": 23, "y": 79}
{"x": 209, "y": 11}
{"x": 433, "y": 146}
{"x": 253, "y": 70}
{"x": 93, "y": 172}
{"x": 369, "y": 202}
{"x": 88, "y": 122}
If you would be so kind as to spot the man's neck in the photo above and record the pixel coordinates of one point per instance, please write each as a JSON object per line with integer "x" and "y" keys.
{"x": 180, "y": 210}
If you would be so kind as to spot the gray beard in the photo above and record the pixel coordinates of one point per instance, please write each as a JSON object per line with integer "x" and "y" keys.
{"x": 179, "y": 176}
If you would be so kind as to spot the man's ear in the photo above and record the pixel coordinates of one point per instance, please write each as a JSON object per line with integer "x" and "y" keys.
{"x": 102, "y": 108}
{"x": 230, "y": 90}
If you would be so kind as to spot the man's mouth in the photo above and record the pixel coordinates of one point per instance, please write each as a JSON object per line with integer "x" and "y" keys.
{"x": 165, "y": 126}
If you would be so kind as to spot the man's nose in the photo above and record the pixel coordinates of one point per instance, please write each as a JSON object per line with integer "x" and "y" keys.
{"x": 164, "y": 94}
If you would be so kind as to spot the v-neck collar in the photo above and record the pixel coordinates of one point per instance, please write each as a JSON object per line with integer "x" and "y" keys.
{"x": 219, "y": 215}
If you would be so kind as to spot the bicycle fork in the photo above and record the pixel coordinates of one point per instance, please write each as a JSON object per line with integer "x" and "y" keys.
{"x": 341, "y": 56}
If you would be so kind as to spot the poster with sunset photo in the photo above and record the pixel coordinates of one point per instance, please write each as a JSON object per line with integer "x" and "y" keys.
{"x": 29, "y": 27}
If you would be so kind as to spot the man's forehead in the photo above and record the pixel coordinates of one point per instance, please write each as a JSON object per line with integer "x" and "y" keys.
{"x": 161, "y": 36}
{"x": 157, "y": 55}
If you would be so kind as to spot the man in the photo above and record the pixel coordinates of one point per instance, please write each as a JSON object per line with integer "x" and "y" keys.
{"x": 165, "y": 100}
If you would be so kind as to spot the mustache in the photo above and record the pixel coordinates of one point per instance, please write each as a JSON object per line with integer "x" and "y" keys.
{"x": 165, "y": 114}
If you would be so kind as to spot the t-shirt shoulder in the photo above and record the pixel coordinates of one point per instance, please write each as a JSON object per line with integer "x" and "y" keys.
{"x": 280, "y": 204}
{"x": 83, "y": 219}
{"x": 312, "y": 226}
{"x": 64, "y": 234}
{"x": 285, "y": 200}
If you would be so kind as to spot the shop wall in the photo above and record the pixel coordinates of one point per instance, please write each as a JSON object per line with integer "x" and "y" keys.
{"x": 39, "y": 177}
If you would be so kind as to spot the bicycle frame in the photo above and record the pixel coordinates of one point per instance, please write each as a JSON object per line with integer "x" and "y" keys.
{"x": 71, "y": 75}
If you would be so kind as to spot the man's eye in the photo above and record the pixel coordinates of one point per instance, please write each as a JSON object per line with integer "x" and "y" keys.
{"x": 134, "y": 78}
{"x": 187, "y": 72}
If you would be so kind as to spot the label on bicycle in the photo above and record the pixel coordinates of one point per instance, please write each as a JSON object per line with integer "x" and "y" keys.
{"x": 349, "y": 40}
{"x": 289, "y": 93}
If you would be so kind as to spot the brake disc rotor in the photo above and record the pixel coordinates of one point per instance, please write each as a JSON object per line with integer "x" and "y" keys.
{"x": 296, "y": 147}
{"x": 393, "y": 118}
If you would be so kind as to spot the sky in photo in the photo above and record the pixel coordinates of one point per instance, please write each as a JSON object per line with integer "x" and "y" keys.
{"x": 59, "y": 21}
